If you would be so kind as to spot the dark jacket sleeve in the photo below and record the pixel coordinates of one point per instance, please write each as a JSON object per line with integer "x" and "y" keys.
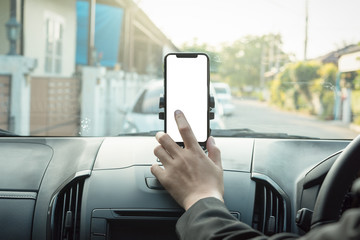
{"x": 210, "y": 219}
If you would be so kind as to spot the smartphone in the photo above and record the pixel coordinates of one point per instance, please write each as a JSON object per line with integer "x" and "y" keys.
{"x": 187, "y": 82}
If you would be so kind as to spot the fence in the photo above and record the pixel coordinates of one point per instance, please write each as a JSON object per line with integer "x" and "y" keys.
{"x": 55, "y": 106}
{"x": 90, "y": 105}
{"x": 4, "y": 102}
{"x": 104, "y": 97}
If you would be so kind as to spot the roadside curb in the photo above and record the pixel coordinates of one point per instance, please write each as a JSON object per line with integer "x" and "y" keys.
{"x": 355, "y": 127}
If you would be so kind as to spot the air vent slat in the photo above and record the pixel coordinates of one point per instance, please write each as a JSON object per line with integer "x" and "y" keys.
{"x": 269, "y": 210}
{"x": 270, "y": 203}
{"x": 277, "y": 215}
{"x": 66, "y": 214}
{"x": 63, "y": 216}
{"x": 76, "y": 210}
{"x": 265, "y": 209}
{"x": 284, "y": 215}
{"x": 269, "y": 217}
{"x": 70, "y": 199}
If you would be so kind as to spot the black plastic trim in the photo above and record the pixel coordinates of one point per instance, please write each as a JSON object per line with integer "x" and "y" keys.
{"x": 17, "y": 195}
{"x": 271, "y": 186}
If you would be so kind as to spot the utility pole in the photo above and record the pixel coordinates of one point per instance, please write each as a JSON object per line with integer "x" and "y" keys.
{"x": 306, "y": 28}
{"x": 277, "y": 53}
{"x": 13, "y": 29}
{"x": 91, "y": 34}
{"x": 262, "y": 67}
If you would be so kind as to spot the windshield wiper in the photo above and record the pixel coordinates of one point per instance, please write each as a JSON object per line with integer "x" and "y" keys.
{"x": 243, "y": 132}
{"x": 146, "y": 134}
{"x": 248, "y": 133}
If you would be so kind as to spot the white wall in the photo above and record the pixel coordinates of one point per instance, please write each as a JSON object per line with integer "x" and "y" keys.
{"x": 349, "y": 62}
{"x": 93, "y": 101}
{"x": 18, "y": 68}
{"x": 35, "y": 32}
{"x": 104, "y": 95}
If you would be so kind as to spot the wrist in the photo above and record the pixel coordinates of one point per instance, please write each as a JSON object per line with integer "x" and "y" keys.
{"x": 191, "y": 200}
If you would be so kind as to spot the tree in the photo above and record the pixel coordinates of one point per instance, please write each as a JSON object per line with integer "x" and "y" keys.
{"x": 194, "y": 46}
{"x": 304, "y": 74}
{"x": 243, "y": 61}
{"x": 301, "y": 82}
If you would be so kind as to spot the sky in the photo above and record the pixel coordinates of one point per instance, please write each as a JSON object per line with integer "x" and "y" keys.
{"x": 332, "y": 24}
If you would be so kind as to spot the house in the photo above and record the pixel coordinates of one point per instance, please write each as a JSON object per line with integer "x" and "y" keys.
{"x": 347, "y": 103}
{"x": 333, "y": 57}
{"x": 65, "y": 45}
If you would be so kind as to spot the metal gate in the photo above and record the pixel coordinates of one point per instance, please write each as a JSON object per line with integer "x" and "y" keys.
{"x": 4, "y": 102}
{"x": 55, "y": 106}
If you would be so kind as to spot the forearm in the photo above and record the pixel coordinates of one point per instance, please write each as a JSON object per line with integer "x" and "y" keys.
{"x": 209, "y": 219}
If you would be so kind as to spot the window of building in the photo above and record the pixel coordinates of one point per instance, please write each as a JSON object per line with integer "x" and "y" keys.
{"x": 54, "y": 44}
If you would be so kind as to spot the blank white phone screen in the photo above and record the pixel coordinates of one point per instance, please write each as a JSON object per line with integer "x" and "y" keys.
{"x": 187, "y": 90}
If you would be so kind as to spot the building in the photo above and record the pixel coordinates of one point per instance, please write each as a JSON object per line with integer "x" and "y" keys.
{"x": 65, "y": 47}
{"x": 347, "y": 101}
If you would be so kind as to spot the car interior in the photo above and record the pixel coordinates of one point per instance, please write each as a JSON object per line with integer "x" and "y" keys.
{"x": 102, "y": 188}
{"x": 74, "y": 173}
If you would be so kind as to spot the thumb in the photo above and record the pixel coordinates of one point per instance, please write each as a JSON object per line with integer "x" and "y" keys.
{"x": 157, "y": 171}
{"x": 213, "y": 151}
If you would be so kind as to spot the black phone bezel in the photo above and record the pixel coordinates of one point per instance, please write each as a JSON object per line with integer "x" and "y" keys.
{"x": 188, "y": 55}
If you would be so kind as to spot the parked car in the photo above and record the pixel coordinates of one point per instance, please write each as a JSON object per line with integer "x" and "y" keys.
{"x": 223, "y": 94}
{"x": 143, "y": 114}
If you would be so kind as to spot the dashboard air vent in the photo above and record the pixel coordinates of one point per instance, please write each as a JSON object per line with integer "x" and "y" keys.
{"x": 65, "y": 219}
{"x": 270, "y": 210}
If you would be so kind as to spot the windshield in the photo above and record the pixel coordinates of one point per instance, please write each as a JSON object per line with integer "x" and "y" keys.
{"x": 95, "y": 68}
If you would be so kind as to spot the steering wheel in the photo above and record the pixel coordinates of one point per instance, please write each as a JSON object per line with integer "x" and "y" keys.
{"x": 336, "y": 184}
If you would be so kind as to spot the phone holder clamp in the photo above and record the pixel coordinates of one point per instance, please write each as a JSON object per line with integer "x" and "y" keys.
{"x": 211, "y": 107}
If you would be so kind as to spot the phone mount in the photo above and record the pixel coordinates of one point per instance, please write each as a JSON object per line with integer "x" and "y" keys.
{"x": 211, "y": 108}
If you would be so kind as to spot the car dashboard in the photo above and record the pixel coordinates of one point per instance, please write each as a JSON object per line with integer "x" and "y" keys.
{"x": 102, "y": 187}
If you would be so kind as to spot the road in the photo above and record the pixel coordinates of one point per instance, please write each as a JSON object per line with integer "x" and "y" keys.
{"x": 261, "y": 117}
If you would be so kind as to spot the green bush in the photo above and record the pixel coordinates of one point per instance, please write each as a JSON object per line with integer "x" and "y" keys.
{"x": 289, "y": 100}
{"x": 357, "y": 81}
{"x": 300, "y": 83}
{"x": 328, "y": 73}
{"x": 355, "y": 106}
{"x": 275, "y": 93}
{"x": 328, "y": 101}
{"x": 356, "y": 120}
